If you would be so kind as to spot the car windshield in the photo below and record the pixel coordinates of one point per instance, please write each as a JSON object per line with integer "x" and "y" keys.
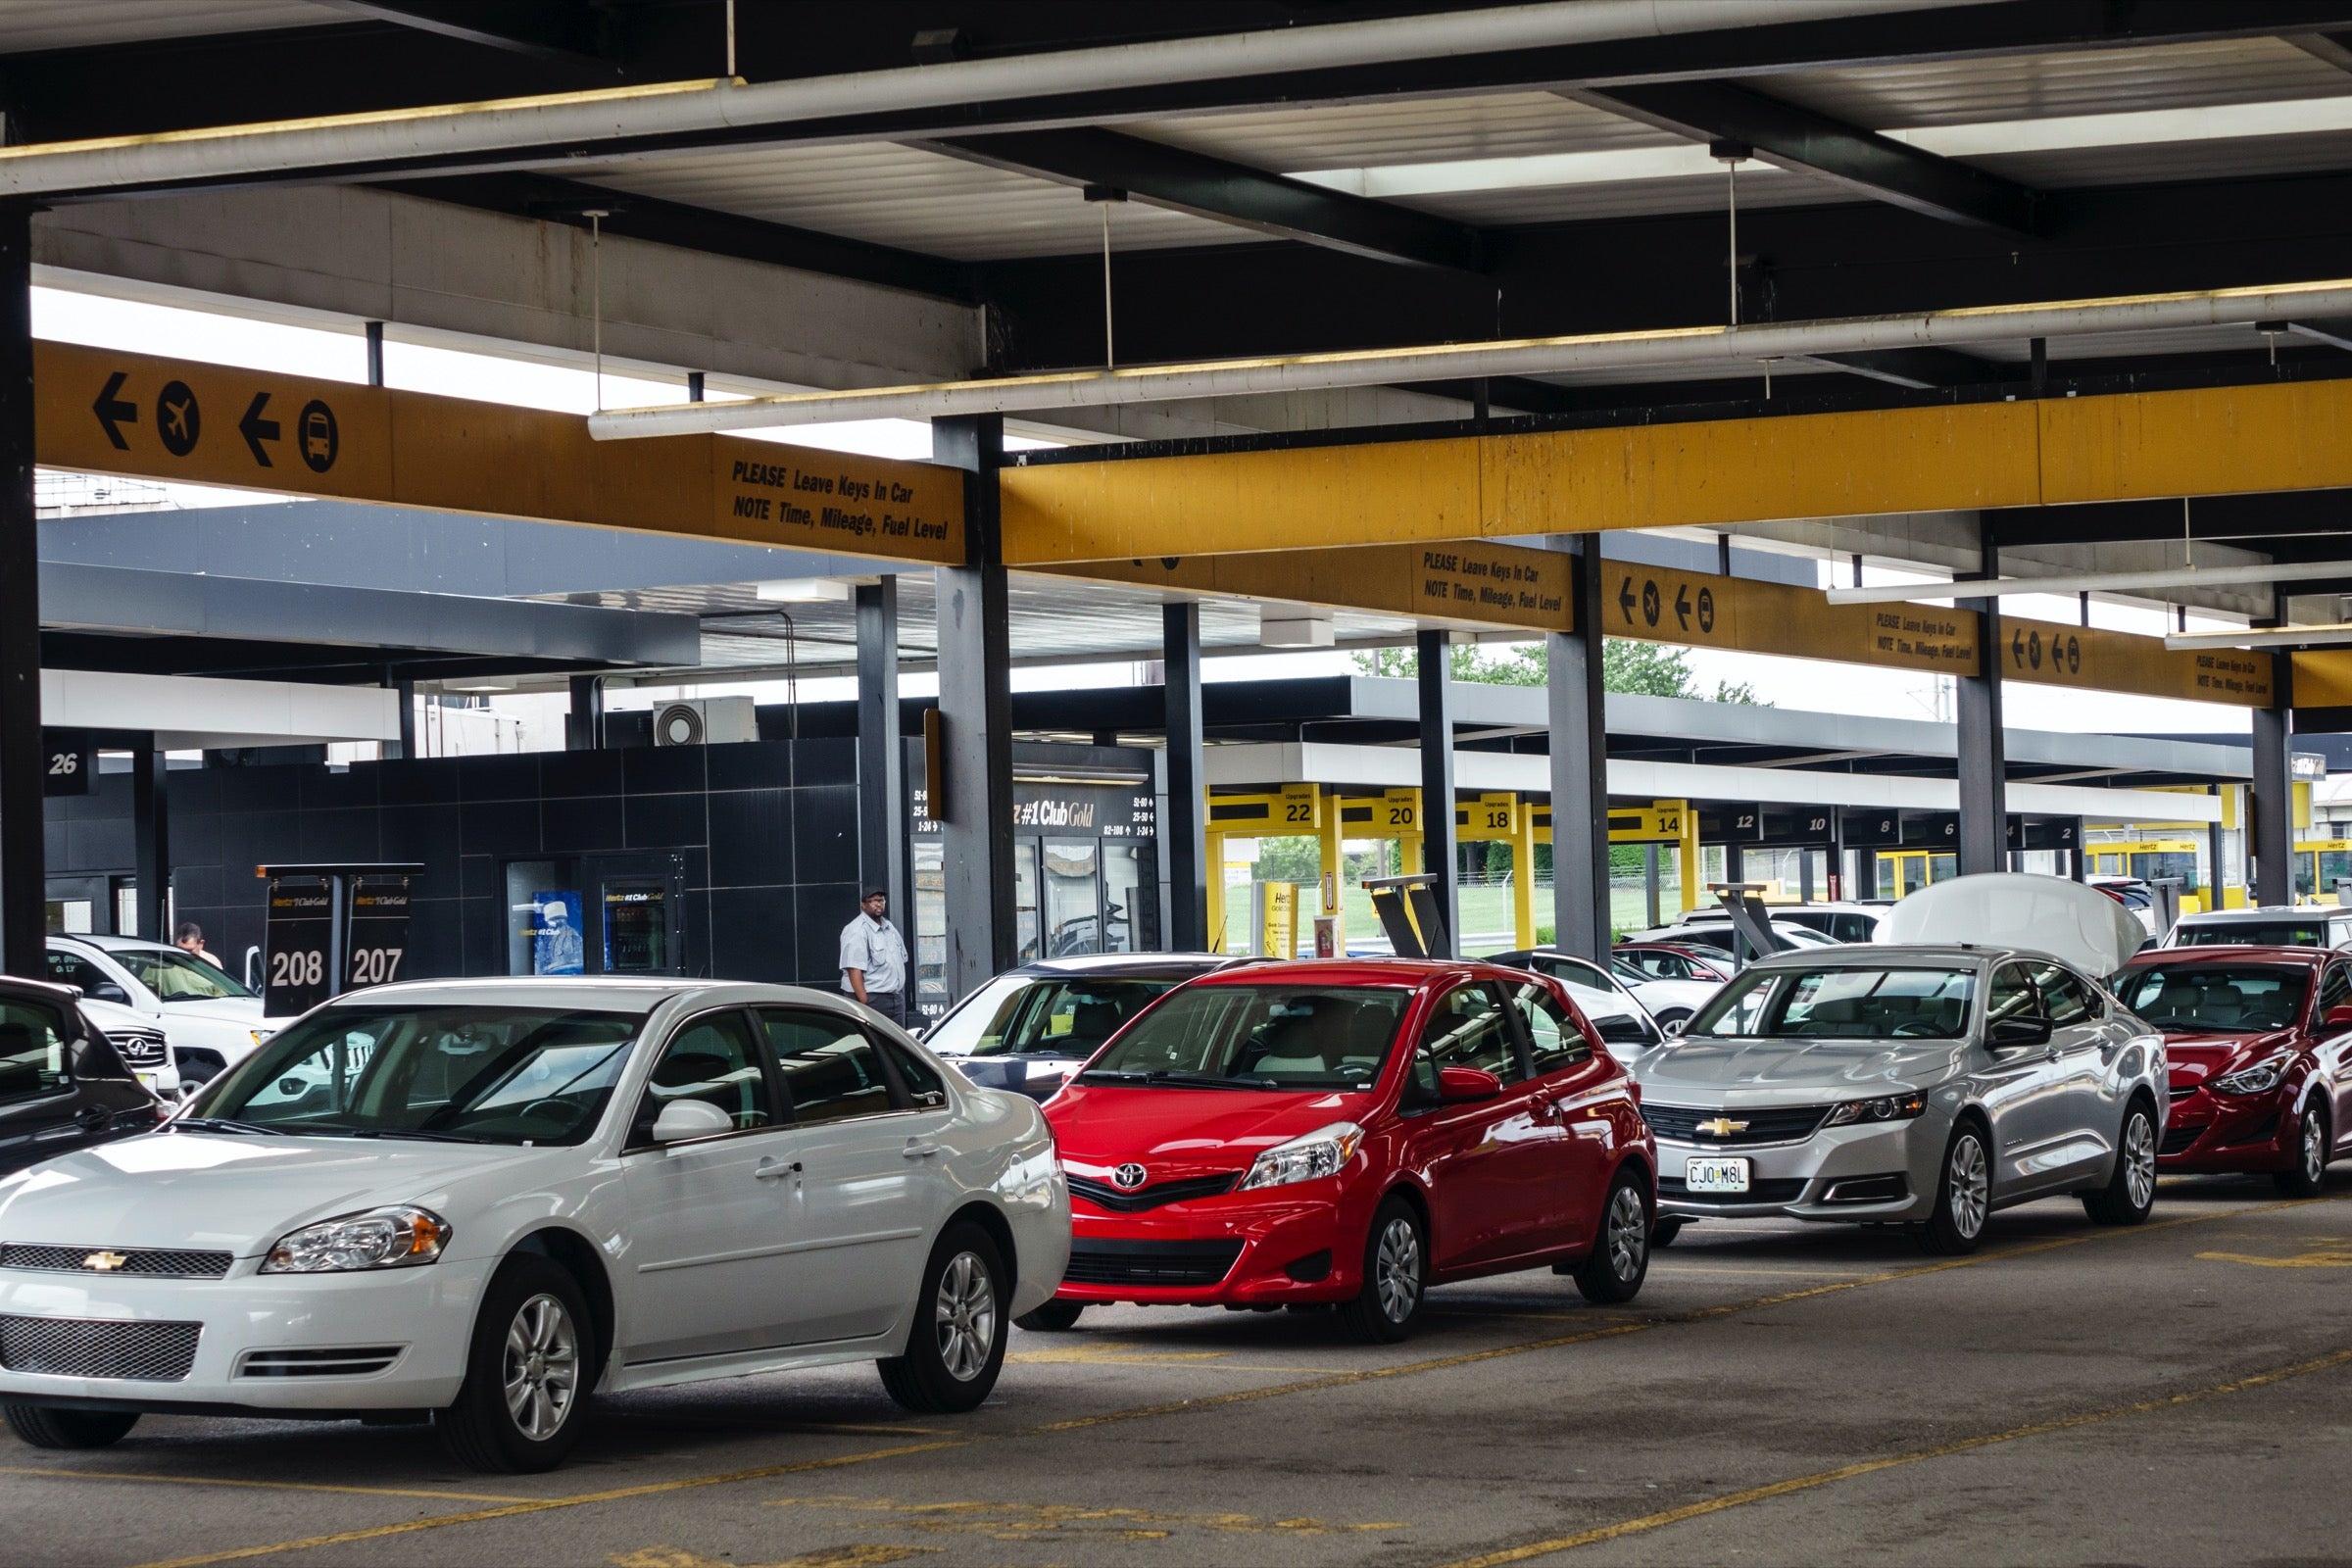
{"x": 176, "y": 976}
{"x": 1259, "y": 1037}
{"x": 1841, "y": 1003}
{"x": 464, "y": 1073}
{"x": 2216, "y": 998}
{"x": 2253, "y": 934}
{"x": 1066, "y": 1017}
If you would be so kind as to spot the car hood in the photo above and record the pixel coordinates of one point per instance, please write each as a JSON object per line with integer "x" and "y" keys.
{"x": 245, "y": 1011}
{"x": 238, "y": 1193}
{"x": 1178, "y": 1132}
{"x": 1038, "y": 1077}
{"x": 110, "y": 1016}
{"x": 1764, "y": 1071}
{"x": 1656, "y": 994}
{"x": 2193, "y": 1059}
{"x": 2071, "y": 922}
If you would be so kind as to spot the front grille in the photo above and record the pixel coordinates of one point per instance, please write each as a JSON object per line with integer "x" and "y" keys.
{"x": 357, "y": 1361}
{"x": 142, "y": 1262}
{"x": 1155, "y": 1263}
{"x": 95, "y": 1347}
{"x": 138, "y": 1048}
{"x": 1769, "y": 1190}
{"x": 1104, "y": 1195}
{"x": 1770, "y": 1124}
{"x": 2187, "y": 1091}
{"x": 2177, "y": 1139}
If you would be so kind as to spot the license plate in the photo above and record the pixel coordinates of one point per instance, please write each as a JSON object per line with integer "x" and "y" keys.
{"x": 1715, "y": 1175}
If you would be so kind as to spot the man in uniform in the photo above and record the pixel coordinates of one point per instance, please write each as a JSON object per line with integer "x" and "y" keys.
{"x": 873, "y": 959}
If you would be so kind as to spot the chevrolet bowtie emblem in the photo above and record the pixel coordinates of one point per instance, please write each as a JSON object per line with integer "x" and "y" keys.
{"x": 105, "y": 1262}
{"x": 1722, "y": 1127}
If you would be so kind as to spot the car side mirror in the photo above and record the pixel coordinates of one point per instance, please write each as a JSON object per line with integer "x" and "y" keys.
{"x": 1461, "y": 1085}
{"x": 107, "y": 991}
{"x": 2339, "y": 1017}
{"x": 2014, "y": 1034}
{"x": 683, "y": 1120}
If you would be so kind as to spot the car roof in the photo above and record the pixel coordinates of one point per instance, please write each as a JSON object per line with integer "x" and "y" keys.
{"x": 1355, "y": 971}
{"x": 1886, "y": 954}
{"x": 112, "y": 943}
{"x": 2287, "y": 912}
{"x": 2231, "y": 952}
{"x": 1140, "y": 965}
{"x": 629, "y": 993}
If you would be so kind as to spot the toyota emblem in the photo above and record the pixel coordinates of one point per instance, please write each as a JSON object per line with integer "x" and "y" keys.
{"x": 1128, "y": 1177}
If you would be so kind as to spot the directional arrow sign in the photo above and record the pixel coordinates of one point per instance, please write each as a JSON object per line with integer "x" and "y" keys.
{"x": 1625, "y": 600}
{"x": 1682, "y": 607}
{"x": 2017, "y": 647}
{"x": 114, "y": 413}
{"x": 256, "y": 429}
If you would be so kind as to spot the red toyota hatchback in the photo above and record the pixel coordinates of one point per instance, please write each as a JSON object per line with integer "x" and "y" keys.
{"x": 1348, "y": 1134}
{"x": 2259, "y": 1041}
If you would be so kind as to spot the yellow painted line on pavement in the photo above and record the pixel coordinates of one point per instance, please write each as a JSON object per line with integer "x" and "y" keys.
{"x": 2338, "y": 1258}
{"x": 1823, "y": 1478}
{"x": 157, "y": 1478}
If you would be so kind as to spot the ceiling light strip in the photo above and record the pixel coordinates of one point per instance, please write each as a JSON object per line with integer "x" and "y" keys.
{"x": 2332, "y": 634}
{"x": 2097, "y": 582}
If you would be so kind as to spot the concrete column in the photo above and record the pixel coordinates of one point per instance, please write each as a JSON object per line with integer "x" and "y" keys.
{"x": 2212, "y": 852}
{"x": 1434, "y": 671}
{"x": 586, "y": 730}
{"x": 1185, "y": 829}
{"x": 23, "y": 884}
{"x": 1983, "y": 761}
{"x": 2078, "y": 861}
{"x": 1578, "y": 711}
{"x": 975, "y": 712}
{"x": 881, "y": 759}
{"x": 1650, "y": 883}
{"x": 151, "y": 841}
{"x": 1214, "y": 861}
{"x": 2271, "y": 802}
{"x": 1523, "y": 873}
{"x": 408, "y": 716}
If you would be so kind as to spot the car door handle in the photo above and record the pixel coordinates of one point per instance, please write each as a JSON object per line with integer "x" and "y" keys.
{"x": 921, "y": 1151}
{"x": 768, "y": 1170}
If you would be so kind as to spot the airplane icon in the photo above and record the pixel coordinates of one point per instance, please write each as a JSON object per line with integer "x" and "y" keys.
{"x": 175, "y": 420}
{"x": 178, "y": 421}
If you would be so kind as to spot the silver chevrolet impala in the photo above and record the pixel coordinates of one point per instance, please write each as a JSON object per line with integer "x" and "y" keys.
{"x": 1923, "y": 1082}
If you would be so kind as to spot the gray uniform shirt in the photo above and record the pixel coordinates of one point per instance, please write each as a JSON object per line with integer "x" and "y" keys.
{"x": 875, "y": 947}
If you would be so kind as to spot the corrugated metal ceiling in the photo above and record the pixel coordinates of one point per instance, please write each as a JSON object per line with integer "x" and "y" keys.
{"x": 27, "y": 25}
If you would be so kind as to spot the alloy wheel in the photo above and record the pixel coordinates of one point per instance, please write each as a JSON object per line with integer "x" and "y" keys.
{"x": 1398, "y": 1269}
{"x": 1971, "y": 1185}
{"x": 2314, "y": 1147}
{"x": 1627, "y": 1232}
{"x": 2140, "y": 1161}
{"x": 965, "y": 1313}
{"x": 542, "y": 1366}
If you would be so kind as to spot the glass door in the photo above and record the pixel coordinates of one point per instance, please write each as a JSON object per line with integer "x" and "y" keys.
{"x": 1073, "y": 896}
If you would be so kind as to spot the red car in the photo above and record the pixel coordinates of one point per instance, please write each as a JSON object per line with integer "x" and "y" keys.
{"x": 2259, "y": 1041}
{"x": 1348, "y": 1134}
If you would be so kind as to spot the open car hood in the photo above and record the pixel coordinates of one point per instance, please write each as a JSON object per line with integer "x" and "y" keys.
{"x": 2066, "y": 920}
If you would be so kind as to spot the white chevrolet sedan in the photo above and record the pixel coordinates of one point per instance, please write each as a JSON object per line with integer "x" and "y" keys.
{"x": 487, "y": 1199}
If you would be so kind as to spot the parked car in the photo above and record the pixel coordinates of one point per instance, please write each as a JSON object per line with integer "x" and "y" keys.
{"x": 213, "y": 1019}
{"x": 488, "y": 1199}
{"x": 142, "y": 1046}
{"x": 2134, "y": 894}
{"x": 1030, "y": 1028}
{"x": 2260, "y": 1046}
{"x": 63, "y": 1085}
{"x": 1715, "y": 935}
{"x": 1924, "y": 1081}
{"x": 1348, "y": 1133}
{"x": 2312, "y": 925}
{"x": 1625, "y": 1006}
{"x": 1672, "y": 960}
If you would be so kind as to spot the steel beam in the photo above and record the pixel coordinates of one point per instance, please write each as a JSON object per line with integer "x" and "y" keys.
{"x": 23, "y": 884}
{"x": 975, "y": 711}
{"x": 552, "y": 29}
{"x": 1433, "y": 665}
{"x": 1226, "y": 192}
{"x": 1983, "y": 759}
{"x": 2272, "y": 800}
{"x": 881, "y": 755}
{"x": 1580, "y": 773}
{"x": 151, "y": 840}
{"x": 1184, "y": 831}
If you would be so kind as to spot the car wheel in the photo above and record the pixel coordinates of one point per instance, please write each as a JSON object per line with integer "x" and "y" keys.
{"x": 2131, "y": 1191}
{"x": 956, "y": 1346}
{"x": 45, "y": 1428}
{"x": 1670, "y": 1015}
{"x": 1963, "y": 1197}
{"x": 1055, "y": 1318}
{"x": 530, "y": 1368}
{"x": 1663, "y": 1233}
{"x": 1620, "y": 1258}
{"x": 1396, "y": 1276}
{"x": 2308, "y": 1176}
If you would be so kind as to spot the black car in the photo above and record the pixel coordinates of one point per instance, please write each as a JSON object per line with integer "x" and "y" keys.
{"x": 1030, "y": 1028}
{"x": 63, "y": 1085}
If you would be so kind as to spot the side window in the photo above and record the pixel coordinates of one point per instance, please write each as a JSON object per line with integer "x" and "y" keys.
{"x": 2066, "y": 998}
{"x": 2335, "y": 988}
{"x": 921, "y": 1079}
{"x": 72, "y": 969}
{"x": 712, "y": 1060}
{"x": 33, "y": 1052}
{"x": 1552, "y": 1036}
{"x": 832, "y": 1069}
{"x": 2012, "y": 994}
{"x": 1467, "y": 1029}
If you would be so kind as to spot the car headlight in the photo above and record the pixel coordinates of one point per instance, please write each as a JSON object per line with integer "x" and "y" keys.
{"x": 1892, "y": 1107}
{"x": 399, "y": 1237}
{"x": 2258, "y": 1079}
{"x": 1305, "y": 1159}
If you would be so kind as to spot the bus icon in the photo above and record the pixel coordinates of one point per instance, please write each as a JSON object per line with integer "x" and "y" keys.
{"x": 316, "y": 432}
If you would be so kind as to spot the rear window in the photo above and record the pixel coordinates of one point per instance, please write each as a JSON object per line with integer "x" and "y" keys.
{"x": 33, "y": 1052}
{"x": 2253, "y": 934}
{"x": 2216, "y": 998}
{"x": 1848, "y": 1004}
{"x": 1259, "y": 1037}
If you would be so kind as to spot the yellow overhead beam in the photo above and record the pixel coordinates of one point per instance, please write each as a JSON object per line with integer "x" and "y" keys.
{"x": 102, "y": 411}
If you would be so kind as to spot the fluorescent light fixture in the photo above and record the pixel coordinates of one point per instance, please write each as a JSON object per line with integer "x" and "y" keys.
{"x": 1533, "y": 172}
{"x": 804, "y": 591}
{"x": 2334, "y": 634}
{"x": 2097, "y": 582}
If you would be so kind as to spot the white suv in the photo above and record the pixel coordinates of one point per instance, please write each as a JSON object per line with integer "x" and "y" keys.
{"x": 211, "y": 1019}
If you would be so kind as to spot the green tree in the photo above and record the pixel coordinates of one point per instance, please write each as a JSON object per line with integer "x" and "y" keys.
{"x": 1641, "y": 668}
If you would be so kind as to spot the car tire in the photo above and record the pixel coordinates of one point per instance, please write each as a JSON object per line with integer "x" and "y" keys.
{"x": 1057, "y": 1316}
{"x": 45, "y": 1428}
{"x": 2130, "y": 1192}
{"x": 2307, "y": 1177}
{"x": 1963, "y": 1196}
{"x": 955, "y": 1346}
{"x": 1670, "y": 1015}
{"x": 1663, "y": 1233}
{"x": 1388, "y": 1307}
{"x": 1620, "y": 1258}
{"x": 527, "y": 1374}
